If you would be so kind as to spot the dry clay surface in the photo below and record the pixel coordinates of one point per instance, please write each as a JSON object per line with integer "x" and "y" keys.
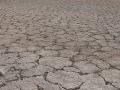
{"x": 60, "y": 44}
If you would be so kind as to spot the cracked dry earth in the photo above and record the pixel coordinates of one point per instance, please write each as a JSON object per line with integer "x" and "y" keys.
{"x": 60, "y": 44}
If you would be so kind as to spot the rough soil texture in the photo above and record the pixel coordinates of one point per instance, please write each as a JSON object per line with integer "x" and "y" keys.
{"x": 60, "y": 44}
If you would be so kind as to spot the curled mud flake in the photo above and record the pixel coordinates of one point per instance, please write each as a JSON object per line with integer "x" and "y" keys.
{"x": 2, "y": 72}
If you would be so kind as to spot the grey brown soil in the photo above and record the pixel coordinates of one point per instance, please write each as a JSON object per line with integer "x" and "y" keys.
{"x": 60, "y": 44}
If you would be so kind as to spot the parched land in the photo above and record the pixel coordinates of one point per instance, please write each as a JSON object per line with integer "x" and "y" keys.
{"x": 60, "y": 44}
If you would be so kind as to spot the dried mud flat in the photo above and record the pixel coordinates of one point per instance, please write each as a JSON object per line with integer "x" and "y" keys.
{"x": 60, "y": 44}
